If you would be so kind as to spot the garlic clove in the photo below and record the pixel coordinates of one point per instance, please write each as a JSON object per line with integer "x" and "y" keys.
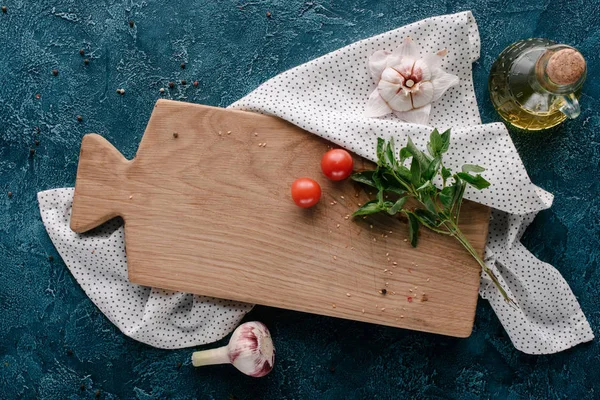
{"x": 408, "y": 49}
{"x": 392, "y": 76}
{"x": 442, "y": 81}
{"x": 401, "y": 101}
{"x": 416, "y": 115}
{"x": 404, "y": 66}
{"x": 376, "y": 106}
{"x": 421, "y": 71}
{"x": 422, "y": 94}
{"x": 388, "y": 90}
{"x": 377, "y": 63}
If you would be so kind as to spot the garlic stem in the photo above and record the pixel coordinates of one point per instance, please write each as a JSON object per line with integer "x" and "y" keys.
{"x": 211, "y": 357}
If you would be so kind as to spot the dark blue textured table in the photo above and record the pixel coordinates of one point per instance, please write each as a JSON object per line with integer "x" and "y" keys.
{"x": 55, "y": 344}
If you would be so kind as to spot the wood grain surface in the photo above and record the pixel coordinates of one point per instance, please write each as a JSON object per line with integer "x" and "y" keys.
{"x": 208, "y": 210}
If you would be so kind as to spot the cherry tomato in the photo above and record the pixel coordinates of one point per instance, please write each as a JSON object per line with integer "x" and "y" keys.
{"x": 306, "y": 192}
{"x": 337, "y": 164}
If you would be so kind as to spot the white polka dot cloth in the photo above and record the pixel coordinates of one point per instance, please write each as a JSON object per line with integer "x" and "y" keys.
{"x": 327, "y": 96}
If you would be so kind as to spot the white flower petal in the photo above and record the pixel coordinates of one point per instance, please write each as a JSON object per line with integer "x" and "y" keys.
{"x": 377, "y": 63}
{"x": 400, "y": 102}
{"x": 388, "y": 90}
{"x": 423, "y": 95}
{"x": 421, "y": 71}
{"x": 376, "y": 106}
{"x": 392, "y": 76}
{"x": 441, "y": 82}
{"x": 416, "y": 115}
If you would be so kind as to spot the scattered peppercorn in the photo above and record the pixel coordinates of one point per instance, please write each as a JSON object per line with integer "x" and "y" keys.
{"x": 50, "y": 258}
{"x": 4, "y": 9}
{"x": 82, "y": 52}
{"x": 131, "y": 23}
{"x": 268, "y": 14}
{"x": 55, "y": 72}
{"x": 69, "y": 352}
{"x": 37, "y": 96}
{"x": 332, "y": 369}
{"x": 179, "y": 365}
{"x": 171, "y": 84}
{"x": 31, "y": 152}
{"x": 161, "y": 90}
{"x": 195, "y": 83}
{"x": 9, "y": 195}
{"x": 82, "y": 386}
{"x": 36, "y": 142}
{"x": 183, "y": 82}
{"x": 383, "y": 291}
{"x": 79, "y": 118}
{"x": 97, "y": 394}
{"x": 175, "y": 135}
{"x": 86, "y": 61}
{"x": 121, "y": 91}
{"x": 182, "y": 65}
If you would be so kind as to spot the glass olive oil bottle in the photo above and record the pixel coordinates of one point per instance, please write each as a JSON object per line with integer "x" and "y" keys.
{"x": 535, "y": 83}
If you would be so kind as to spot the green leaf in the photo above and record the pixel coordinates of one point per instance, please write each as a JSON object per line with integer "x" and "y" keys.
{"x": 413, "y": 228}
{"x": 380, "y": 151}
{"x": 447, "y": 195}
{"x": 404, "y": 154}
{"x": 476, "y": 181}
{"x": 390, "y": 153}
{"x": 428, "y": 201}
{"x": 472, "y": 168}
{"x": 415, "y": 172}
{"x": 397, "y": 206}
{"x": 417, "y": 154}
{"x": 403, "y": 173}
{"x": 380, "y": 197}
{"x": 435, "y": 143}
{"x": 424, "y": 186}
{"x": 377, "y": 179}
{"x": 445, "y": 141}
{"x": 371, "y": 207}
{"x": 430, "y": 218}
{"x": 446, "y": 173}
{"x": 365, "y": 177}
{"x": 432, "y": 168}
{"x": 395, "y": 189}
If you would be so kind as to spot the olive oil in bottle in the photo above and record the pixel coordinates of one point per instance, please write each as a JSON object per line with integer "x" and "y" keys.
{"x": 535, "y": 83}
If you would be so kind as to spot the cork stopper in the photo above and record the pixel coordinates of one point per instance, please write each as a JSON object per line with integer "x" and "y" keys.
{"x": 565, "y": 67}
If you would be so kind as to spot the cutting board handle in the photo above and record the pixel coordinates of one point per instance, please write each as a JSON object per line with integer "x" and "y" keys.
{"x": 109, "y": 166}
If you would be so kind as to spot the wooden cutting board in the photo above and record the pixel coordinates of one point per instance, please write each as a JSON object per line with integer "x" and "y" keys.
{"x": 208, "y": 210}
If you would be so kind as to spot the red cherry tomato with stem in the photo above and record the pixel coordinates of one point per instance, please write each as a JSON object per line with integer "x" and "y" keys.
{"x": 306, "y": 192}
{"x": 337, "y": 164}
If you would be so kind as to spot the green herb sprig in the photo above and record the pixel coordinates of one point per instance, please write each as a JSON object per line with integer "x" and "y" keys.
{"x": 438, "y": 209}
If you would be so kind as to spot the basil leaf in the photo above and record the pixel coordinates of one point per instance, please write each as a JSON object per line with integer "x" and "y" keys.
{"x": 424, "y": 186}
{"x": 380, "y": 151}
{"x": 415, "y": 172}
{"x": 446, "y": 173}
{"x": 435, "y": 143}
{"x": 445, "y": 141}
{"x": 413, "y": 228}
{"x": 397, "y": 206}
{"x": 472, "y": 168}
{"x": 447, "y": 195}
{"x": 428, "y": 201}
{"x": 432, "y": 168}
{"x": 417, "y": 154}
{"x": 365, "y": 177}
{"x": 404, "y": 154}
{"x": 429, "y": 217}
{"x": 371, "y": 207}
{"x": 458, "y": 191}
{"x": 403, "y": 173}
{"x": 476, "y": 181}
{"x": 390, "y": 152}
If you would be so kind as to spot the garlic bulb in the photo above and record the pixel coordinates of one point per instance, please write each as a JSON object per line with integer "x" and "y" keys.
{"x": 250, "y": 350}
{"x": 407, "y": 83}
